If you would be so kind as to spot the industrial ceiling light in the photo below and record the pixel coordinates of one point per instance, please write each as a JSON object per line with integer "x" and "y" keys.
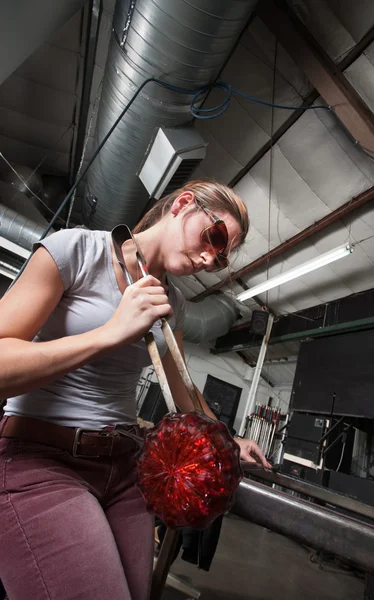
{"x": 310, "y": 265}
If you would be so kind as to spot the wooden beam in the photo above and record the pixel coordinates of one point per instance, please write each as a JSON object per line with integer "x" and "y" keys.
{"x": 346, "y": 62}
{"x": 351, "y": 205}
{"x": 320, "y": 70}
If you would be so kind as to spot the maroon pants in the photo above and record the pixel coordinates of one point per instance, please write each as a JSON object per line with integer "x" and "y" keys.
{"x": 72, "y": 528}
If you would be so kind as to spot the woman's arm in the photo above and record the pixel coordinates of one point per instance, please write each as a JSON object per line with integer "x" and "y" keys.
{"x": 25, "y": 365}
{"x": 249, "y": 450}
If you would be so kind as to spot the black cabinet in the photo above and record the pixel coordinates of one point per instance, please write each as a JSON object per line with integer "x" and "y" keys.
{"x": 223, "y": 399}
{"x": 335, "y": 375}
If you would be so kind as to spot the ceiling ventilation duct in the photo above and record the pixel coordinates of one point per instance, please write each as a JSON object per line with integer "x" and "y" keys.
{"x": 206, "y": 320}
{"x": 171, "y": 160}
{"x": 182, "y": 43}
{"x": 17, "y": 235}
{"x": 18, "y": 228}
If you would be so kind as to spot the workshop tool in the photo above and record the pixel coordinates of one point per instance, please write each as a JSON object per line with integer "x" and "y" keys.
{"x": 189, "y": 464}
{"x": 262, "y": 427}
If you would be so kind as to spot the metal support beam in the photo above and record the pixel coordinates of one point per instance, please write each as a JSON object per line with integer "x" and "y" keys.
{"x": 349, "y": 539}
{"x": 312, "y": 490}
{"x": 92, "y": 32}
{"x": 331, "y": 218}
{"x": 321, "y": 71}
{"x": 240, "y": 340}
{"x": 335, "y": 312}
{"x": 251, "y": 400}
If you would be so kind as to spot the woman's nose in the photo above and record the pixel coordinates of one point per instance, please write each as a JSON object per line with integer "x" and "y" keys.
{"x": 208, "y": 257}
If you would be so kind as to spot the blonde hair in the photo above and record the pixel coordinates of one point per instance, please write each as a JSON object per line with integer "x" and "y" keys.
{"x": 211, "y": 194}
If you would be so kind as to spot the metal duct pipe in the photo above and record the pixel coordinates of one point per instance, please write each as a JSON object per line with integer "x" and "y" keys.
{"x": 25, "y": 25}
{"x": 182, "y": 43}
{"x": 323, "y": 529}
{"x": 18, "y": 229}
{"x": 209, "y": 319}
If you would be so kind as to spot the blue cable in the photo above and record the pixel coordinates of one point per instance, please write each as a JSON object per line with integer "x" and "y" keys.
{"x": 252, "y": 99}
{"x": 201, "y": 113}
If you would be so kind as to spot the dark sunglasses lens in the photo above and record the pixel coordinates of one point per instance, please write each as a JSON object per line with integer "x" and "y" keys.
{"x": 216, "y": 235}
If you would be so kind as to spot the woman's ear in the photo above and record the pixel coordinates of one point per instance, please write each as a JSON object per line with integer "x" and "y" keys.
{"x": 183, "y": 201}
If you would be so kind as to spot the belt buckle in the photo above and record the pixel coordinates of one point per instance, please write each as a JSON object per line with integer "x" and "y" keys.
{"x": 77, "y": 438}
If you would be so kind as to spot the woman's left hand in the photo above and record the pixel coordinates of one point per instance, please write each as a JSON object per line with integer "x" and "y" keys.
{"x": 250, "y": 452}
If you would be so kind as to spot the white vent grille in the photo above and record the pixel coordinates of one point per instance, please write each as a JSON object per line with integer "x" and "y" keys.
{"x": 173, "y": 156}
{"x": 12, "y": 257}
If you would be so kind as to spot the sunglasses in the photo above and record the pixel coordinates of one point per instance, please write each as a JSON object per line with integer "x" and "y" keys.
{"x": 217, "y": 237}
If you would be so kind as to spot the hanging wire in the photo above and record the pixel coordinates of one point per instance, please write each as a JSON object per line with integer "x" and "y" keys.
{"x": 26, "y": 181}
{"x": 341, "y": 457}
{"x": 22, "y": 180}
{"x": 271, "y": 170}
{"x": 353, "y": 244}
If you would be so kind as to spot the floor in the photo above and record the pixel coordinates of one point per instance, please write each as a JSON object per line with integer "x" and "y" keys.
{"x": 253, "y": 563}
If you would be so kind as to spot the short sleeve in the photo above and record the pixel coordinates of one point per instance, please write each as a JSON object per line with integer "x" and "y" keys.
{"x": 67, "y": 248}
{"x": 178, "y": 303}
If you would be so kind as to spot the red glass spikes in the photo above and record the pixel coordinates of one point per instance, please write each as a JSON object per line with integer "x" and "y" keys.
{"x": 189, "y": 469}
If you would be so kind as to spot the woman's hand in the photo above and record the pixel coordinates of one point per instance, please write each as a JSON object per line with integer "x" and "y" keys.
{"x": 250, "y": 452}
{"x": 143, "y": 303}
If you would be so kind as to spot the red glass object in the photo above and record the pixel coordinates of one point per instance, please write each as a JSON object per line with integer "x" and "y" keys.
{"x": 189, "y": 468}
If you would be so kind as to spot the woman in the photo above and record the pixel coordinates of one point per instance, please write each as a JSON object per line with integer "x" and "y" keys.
{"x": 73, "y": 523}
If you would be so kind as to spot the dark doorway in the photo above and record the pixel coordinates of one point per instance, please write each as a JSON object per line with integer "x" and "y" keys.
{"x": 223, "y": 399}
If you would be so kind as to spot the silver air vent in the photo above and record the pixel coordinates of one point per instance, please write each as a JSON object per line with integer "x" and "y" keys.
{"x": 171, "y": 160}
{"x": 184, "y": 43}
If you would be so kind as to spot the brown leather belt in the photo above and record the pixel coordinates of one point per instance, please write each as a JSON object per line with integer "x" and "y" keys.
{"x": 83, "y": 443}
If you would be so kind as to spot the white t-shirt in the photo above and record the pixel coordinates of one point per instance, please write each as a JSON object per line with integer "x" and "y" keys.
{"x": 102, "y": 392}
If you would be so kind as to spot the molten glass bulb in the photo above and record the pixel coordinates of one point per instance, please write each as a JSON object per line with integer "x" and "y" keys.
{"x": 189, "y": 469}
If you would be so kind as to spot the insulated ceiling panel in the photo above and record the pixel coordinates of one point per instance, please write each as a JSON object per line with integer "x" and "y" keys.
{"x": 361, "y": 75}
{"x": 237, "y": 135}
{"x": 38, "y": 103}
{"x": 337, "y": 25}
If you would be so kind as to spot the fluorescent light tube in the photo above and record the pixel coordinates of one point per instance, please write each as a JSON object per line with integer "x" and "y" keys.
{"x": 310, "y": 265}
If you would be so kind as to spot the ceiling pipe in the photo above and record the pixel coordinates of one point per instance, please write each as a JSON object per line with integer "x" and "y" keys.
{"x": 207, "y": 320}
{"x": 181, "y": 43}
{"x": 18, "y": 228}
{"x": 314, "y": 526}
{"x": 303, "y": 235}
